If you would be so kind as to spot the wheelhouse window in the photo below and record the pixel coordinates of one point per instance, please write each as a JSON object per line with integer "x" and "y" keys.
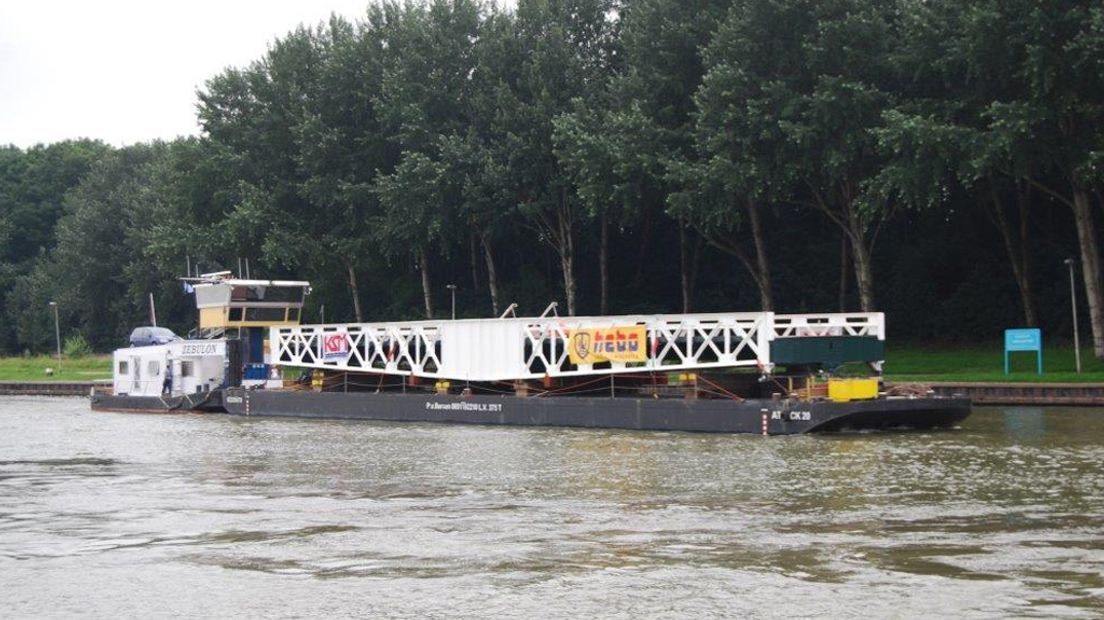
{"x": 264, "y": 314}
{"x": 271, "y": 294}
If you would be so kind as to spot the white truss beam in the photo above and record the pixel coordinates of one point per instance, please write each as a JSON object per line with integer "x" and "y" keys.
{"x": 532, "y": 348}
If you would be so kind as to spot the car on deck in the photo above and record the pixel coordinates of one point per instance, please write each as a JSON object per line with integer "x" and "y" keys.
{"x": 148, "y": 336}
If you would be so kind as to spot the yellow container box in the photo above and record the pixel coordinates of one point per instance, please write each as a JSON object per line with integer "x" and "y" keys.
{"x": 843, "y": 390}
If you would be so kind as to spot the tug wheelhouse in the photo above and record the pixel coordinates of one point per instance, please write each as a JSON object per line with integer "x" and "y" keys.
{"x": 242, "y": 312}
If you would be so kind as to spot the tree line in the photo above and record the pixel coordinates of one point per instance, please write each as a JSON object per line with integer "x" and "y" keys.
{"x": 934, "y": 159}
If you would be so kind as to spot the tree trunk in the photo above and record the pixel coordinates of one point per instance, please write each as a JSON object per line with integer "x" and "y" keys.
{"x": 1027, "y": 291}
{"x": 1090, "y": 266}
{"x": 1017, "y": 255}
{"x": 567, "y": 263}
{"x": 567, "y": 249}
{"x": 603, "y": 264}
{"x": 474, "y": 263}
{"x": 354, "y": 292}
{"x": 427, "y": 291}
{"x": 860, "y": 250}
{"x": 684, "y": 268}
{"x": 492, "y": 275}
{"x": 844, "y": 251}
{"x": 762, "y": 266}
{"x": 725, "y": 244}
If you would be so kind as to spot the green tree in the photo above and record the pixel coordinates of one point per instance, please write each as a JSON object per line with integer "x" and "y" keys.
{"x": 479, "y": 159}
{"x": 414, "y": 199}
{"x": 758, "y": 78}
{"x": 795, "y": 89}
{"x": 1057, "y": 123}
{"x": 33, "y": 185}
{"x": 87, "y": 272}
{"x": 342, "y": 147}
{"x": 423, "y": 98}
{"x": 288, "y": 128}
{"x": 955, "y": 60}
{"x": 611, "y": 163}
{"x": 664, "y": 44}
{"x": 569, "y": 49}
{"x": 1005, "y": 97}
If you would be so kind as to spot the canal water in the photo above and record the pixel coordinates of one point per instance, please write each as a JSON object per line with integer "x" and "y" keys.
{"x": 106, "y": 515}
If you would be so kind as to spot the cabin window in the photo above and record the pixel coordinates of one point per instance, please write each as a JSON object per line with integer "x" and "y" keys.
{"x": 187, "y": 368}
{"x": 271, "y": 294}
{"x": 235, "y": 314}
{"x": 284, "y": 294}
{"x": 123, "y": 368}
{"x": 293, "y": 314}
{"x": 154, "y": 367}
{"x": 268, "y": 315}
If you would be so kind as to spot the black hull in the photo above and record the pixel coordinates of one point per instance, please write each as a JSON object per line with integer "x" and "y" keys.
{"x": 716, "y": 416}
{"x": 208, "y": 401}
{"x": 773, "y": 417}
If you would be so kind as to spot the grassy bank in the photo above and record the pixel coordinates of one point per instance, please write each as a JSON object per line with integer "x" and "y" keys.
{"x": 986, "y": 363}
{"x": 34, "y": 368}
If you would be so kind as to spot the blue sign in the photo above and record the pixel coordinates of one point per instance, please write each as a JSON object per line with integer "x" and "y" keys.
{"x": 1024, "y": 340}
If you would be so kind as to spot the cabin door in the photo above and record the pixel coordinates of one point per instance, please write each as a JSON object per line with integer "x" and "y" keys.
{"x": 136, "y": 363}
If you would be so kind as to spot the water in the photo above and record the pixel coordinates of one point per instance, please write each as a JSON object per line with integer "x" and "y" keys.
{"x": 107, "y": 515}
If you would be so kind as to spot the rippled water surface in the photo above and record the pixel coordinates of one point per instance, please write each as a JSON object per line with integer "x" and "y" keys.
{"x": 105, "y": 515}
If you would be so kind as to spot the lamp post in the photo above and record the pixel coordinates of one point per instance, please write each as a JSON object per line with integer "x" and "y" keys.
{"x": 1073, "y": 304}
{"x": 452, "y": 290}
{"x": 57, "y": 331}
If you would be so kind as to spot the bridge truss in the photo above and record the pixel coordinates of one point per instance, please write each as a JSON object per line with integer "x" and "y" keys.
{"x": 533, "y": 348}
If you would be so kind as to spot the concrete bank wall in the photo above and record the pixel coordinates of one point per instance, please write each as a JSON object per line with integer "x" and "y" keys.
{"x": 48, "y": 388}
{"x": 1081, "y": 394}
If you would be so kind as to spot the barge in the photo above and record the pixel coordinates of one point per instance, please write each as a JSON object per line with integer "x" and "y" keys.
{"x": 751, "y": 372}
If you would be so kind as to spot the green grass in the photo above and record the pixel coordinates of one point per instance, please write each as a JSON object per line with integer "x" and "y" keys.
{"x": 34, "y": 368}
{"x": 986, "y": 363}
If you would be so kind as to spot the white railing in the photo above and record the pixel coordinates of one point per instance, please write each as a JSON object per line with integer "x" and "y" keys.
{"x": 391, "y": 348}
{"x": 532, "y": 348}
{"x": 675, "y": 342}
{"x": 834, "y": 324}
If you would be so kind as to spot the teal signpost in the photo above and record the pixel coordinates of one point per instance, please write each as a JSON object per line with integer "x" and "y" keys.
{"x": 1024, "y": 340}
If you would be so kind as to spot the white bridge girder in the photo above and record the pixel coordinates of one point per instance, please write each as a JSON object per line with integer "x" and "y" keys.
{"x": 533, "y": 348}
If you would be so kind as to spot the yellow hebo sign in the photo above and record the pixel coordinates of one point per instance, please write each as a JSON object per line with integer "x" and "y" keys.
{"x": 609, "y": 344}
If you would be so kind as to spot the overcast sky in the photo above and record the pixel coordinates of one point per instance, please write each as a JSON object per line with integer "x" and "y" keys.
{"x": 126, "y": 71}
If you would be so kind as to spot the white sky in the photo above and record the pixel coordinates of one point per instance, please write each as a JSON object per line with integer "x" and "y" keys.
{"x": 126, "y": 71}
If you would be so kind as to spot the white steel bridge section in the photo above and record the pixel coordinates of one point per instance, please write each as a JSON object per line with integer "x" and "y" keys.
{"x": 533, "y": 348}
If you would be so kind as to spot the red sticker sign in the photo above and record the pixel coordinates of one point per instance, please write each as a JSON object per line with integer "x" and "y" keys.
{"x": 335, "y": 346}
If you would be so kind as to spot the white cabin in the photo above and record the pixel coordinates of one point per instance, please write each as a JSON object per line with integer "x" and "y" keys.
{"x": 173, "y": 369}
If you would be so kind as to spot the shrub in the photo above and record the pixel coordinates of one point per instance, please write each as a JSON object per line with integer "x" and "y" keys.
{"x": 77, "y": 347}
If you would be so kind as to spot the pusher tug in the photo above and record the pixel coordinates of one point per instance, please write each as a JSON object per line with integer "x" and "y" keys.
{"x": 746, "y": 372}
